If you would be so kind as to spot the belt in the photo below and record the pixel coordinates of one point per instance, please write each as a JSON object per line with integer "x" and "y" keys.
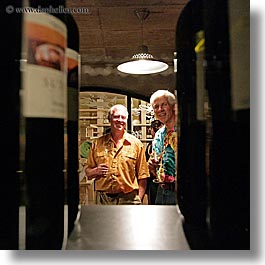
{"x": 168, "y": 186}
{"x": 113, "y": 195}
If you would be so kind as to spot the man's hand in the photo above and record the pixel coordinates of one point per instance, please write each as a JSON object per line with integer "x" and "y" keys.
{"x": 102, "y": 170}
{"x": 152, "y": 165}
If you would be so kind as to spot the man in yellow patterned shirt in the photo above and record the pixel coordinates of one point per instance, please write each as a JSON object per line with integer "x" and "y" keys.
{"x": 117, "y": 162}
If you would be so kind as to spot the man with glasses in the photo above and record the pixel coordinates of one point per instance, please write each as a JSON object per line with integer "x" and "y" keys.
{"x": 162, "y": 162}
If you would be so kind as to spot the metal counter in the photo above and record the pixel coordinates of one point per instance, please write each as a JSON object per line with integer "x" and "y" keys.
{"x": 128, "y": 227}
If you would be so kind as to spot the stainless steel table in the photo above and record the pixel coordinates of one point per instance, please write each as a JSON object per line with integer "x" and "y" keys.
{"x": 128, "y": 227}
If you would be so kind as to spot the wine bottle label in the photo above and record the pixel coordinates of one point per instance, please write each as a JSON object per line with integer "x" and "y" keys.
{"x": 73, "y": 83}
{"x": 239, "y": 24}
{"x": 44, "y": 91}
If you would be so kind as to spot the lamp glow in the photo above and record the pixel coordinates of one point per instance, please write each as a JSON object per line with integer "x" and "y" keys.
{"x": 142, "y": 63}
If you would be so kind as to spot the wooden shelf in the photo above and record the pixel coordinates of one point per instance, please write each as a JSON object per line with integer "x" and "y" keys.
{"x": 88, "y": 117}
{"x": 91, "y": 110}
{"x": 141, "y": 124}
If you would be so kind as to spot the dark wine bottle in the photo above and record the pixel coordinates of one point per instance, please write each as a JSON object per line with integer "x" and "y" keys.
{"x": 227, "y": 80}
{"x": 192, "y": 177}
{"x": 73, "y": 84}
{"x": 44, "y": 101}
{"x": 9, "y": 124}
{"x": 218, "y": 145}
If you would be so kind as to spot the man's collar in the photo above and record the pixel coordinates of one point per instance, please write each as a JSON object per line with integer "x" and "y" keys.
{"x": 125, "y": 138}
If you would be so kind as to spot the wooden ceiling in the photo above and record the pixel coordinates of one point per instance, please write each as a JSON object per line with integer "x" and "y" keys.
{"x": 110, "y": 33}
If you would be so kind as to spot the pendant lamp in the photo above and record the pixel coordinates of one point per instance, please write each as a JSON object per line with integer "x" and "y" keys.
{"x": 142, "y": 62}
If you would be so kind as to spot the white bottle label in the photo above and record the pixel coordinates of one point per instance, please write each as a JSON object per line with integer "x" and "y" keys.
{"x": 239, "y": 54}
{"x": 44, "y": 91}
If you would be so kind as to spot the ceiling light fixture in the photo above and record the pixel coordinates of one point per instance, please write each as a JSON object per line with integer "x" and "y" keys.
{"x": 143, "y": 62}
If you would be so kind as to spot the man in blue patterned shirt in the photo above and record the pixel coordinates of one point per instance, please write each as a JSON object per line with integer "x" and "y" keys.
{"x": 162, "y": 162}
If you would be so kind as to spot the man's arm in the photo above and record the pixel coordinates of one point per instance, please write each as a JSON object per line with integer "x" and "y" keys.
{"x": 142, "y": 172}
{"x": 142, "y": 188}
{"x": 92, "y": 168}
{"x": 97, "y": 172}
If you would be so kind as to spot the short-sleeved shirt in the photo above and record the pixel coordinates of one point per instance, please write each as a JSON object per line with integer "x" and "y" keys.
{"x": 127, "y": 164}
{"x": 165, "y": 143}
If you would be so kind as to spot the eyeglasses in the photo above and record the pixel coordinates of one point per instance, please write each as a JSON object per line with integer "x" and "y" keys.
{"x": 122, "y": 117}
{"x": 163, "y": 105}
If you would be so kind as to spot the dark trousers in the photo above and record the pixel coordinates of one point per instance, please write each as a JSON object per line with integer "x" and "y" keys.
{"x": 151, "y": 192}
{"x": 166, "y": 196}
